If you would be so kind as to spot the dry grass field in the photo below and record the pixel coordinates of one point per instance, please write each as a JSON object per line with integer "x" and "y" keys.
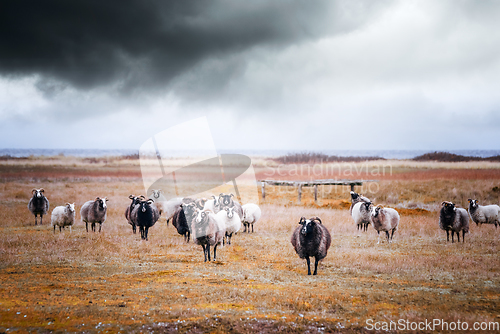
{"x": 114, "y": 282}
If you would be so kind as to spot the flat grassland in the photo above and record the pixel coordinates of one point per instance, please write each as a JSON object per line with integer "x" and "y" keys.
{"x": 112, "y": 281}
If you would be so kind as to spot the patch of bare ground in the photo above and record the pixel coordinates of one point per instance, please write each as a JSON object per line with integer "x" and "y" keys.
{"x": 113, "y": 281}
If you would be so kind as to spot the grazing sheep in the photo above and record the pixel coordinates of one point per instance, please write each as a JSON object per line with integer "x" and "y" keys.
{"x": 487, "y": 214}
{"x": 94, "y": 212}
{"x": 182, "y": 219}
{"x": 231, "y": 221}
{"x": 356, "y": 198}
{"x": 311, "y": 239}
{"x": 251, "y": 214}
{"x": 385, "y": 219}
{"x": 145, "y": 215}
{"x": 207, "y": 231}
{"x": 63, "y": 216}
{"x": 130, "y": 208}
{"x": 38, "y": 204}
{"x": 453, "y": 219}
{"x": 168, "y": 208}
{"x": 362, "y": 215}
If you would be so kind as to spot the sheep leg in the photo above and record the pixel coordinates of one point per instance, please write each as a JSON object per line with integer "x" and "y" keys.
{"x": 447, "y": 235}
{"x": 463, "y": 235}
{"x": 146, "y": 232}
{"x": 188, "y": 234}
{"x": 168, "y": 221}
{"x": 387, "y": 235}
{"x": 35, "y": 219}
{"x": 134, "y": 229}
{"x": 458, "y": 236}
{"x": 60, "y": 229}
{"x": 54, "y": 228}
{"x": 252, "y": 227}
{"x": 315, "y": 265}
{"x": 204, "y": 252}
{"x": 208, "y": 253}
{"x": 100, "y": 225}
{"x": 378, "y": 239}
{"x": 392, "y": 234}
{"x": 452, "y": 233}
{"x": 87, "y": 226}
{"x": 308, "y": 265}
{"x": 245, "y": 225}
{"x": 41, "y": 217}
{"x": 215, "y": 252}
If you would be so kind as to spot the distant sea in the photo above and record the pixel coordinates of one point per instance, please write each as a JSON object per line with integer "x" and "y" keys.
{"x": 387, "y": 154}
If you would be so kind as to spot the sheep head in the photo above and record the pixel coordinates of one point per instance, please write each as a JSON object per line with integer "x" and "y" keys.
{"x": 473, "y": 203}
{"x": 308, "y": 225}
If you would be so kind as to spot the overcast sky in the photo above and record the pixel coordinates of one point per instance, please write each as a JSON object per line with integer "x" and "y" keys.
{"x": 294, "y": 75}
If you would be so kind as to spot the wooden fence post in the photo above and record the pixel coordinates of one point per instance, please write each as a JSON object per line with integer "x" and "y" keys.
{"x": 315, "y": 193}
{"x": 263, "y": 190}
{"x": 300, "y": 192}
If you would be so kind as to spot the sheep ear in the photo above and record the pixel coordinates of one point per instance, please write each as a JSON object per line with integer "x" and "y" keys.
{"x": 107, "y": 200}
{"x": 302, "y": 220}
{"x": 469, "y": 200}
{"x": 443, "y": 203}
{"x": 221, "y": 194}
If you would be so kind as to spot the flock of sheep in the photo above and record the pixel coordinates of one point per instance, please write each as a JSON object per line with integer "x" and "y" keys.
{"x": 210, "y": 222}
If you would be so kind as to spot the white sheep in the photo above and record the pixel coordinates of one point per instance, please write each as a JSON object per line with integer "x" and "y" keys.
{"x": 385, "y": 219}
{"x": 63, "y": 216}
{"x": 361, "y": 214}
{"x": 232, "y": 222}
{"x": 487, "y": 214}
{"x": 168, "y": 208}
{"x": 251, "y": 214}
{"x": 212, "y": 205}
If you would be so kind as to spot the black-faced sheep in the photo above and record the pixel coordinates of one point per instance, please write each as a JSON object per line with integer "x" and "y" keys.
{"x": 226, "y": 201}
{"x": 94, "y": 212}
{"x": 385, "y": 219}
{"x": 453, "y": 219}
{"x": 63, "y": 216}
{"x": 38, "y": 204}
{"x": 182, "y": 219}
{"x": 207, "y": 231}
{"x": 361, "y": 214}
{"x": 251, "y": 214}
{"x": 356, "y": 198}
{"x": 145, "y": 215}
{"x": 487, "y": 214}
{"x": 311, "y": 239}
{"x": 130, "y": 208}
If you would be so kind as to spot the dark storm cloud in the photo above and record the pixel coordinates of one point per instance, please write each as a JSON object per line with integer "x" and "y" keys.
{"x": 133, "y": 44}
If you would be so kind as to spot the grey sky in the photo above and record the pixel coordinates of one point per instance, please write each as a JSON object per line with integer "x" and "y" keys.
{"x": 297, "y": 75}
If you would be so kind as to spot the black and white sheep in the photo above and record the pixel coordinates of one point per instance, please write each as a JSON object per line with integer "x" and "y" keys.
{"x": 484, "y": 214}
{"x": 94, "y": 212}
{"x": 38, "y": 204}
{"x": 63, "y": 216}
{"x": 311, "y": 239}
{"x": 453, "y": 219}
{"x": 231, "y": 221}
{"x": 182, "y": 219}
{"x": 227, "y": 201}
{"x": 130, "y": 208}
{"x": 251, "y": 214}
{"x": 362, "y": 215}
{"x": 385, "y": 220}
{"x": 212, "y": 205}
{"x": 207, "y": 231}
{"x": 145, "y": 215}
{"x": 356, "y": 198}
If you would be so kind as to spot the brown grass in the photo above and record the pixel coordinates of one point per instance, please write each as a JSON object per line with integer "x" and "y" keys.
{"x": 112, "y": 281}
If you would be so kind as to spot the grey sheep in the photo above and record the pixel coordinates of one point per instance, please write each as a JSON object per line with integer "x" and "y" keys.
{"x": 38, "y": 204}
{"x": 145, "y": 215}
{"x": 226, "y": 201}
{"x": 311, "y": 239}
{"x": 130, "y": 208}
{"x": 487, "y": 214}
{"x": 356, "y": 198}
{"x": 361, "y": 214}
{"x": 453, "y": 219}
{"x": 385, "y": 219}
{"x": 207, "y": 231}
{"x": 94, "y": 212}
{"x": 63, "y": 216}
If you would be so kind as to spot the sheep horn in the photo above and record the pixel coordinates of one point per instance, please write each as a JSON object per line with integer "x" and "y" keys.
{"x": 302, "y": 219}
{"x": 150, "y": 199}
{"x": 97, "y": 198}
{"x": 232, "y": 195}
{"x": 68, "y": 203}
{"x": 317, "y": 219}
{"x": 42, "y": 190}
{"x": 469, "y": 200}
{"x": 33, "y": 190}
{"x": 107, "y": 200}
{"x": 131, "y": 196}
